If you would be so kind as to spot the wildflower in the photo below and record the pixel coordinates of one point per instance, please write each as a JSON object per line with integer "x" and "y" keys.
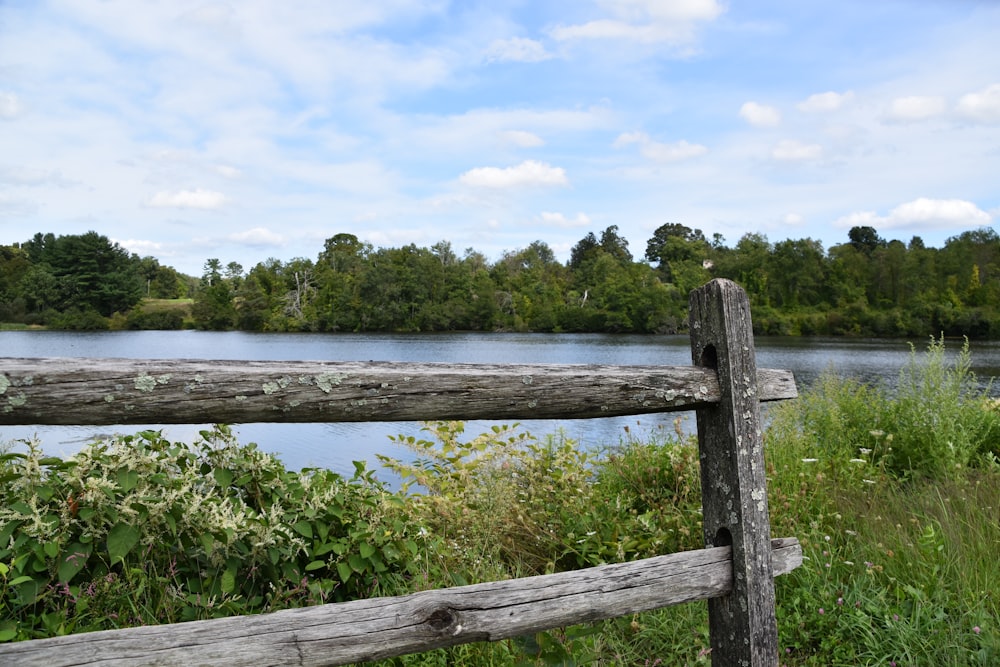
{"x": 857, "y": 461}
{"x": 976, "y": 629}
{"x": 864, "y": 451}
{"x": 821, "y": 611}
{"x": 810, "y": 460}
{"x": 840, "y": 602}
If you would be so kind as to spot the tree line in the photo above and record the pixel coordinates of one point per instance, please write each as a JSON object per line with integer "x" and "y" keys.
{"x": 865, "y": 286}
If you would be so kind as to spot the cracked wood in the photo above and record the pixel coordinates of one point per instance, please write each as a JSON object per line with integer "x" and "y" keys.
{"x": 362, "y": 630}
{"x": 134, "y": 391}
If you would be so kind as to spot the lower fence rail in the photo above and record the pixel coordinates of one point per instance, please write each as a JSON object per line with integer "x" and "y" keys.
{"x": 376, "y": 628}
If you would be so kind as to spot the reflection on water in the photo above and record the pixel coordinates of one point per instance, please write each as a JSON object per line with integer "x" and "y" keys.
{"x": 336, "y": 445}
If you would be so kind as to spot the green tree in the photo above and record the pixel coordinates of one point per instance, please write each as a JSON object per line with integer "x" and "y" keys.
{"x": 677, "y": 250}
{"x": 92, "y": 272}
{"x": 214, "y": 307}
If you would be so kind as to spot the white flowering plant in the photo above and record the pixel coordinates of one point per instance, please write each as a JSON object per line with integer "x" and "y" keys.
{"x": 137, "y": 529}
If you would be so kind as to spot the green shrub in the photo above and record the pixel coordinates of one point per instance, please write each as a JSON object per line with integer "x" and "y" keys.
{"x": 140, "y": 530}
{"x": 936, "y": 421}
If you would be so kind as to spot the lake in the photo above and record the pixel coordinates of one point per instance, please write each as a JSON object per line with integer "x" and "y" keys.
{"x": 336, "y": 445}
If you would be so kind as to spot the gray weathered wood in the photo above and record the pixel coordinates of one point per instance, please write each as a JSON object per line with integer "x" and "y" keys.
{"x": 377, "y": 628}
{"x": 137, "y": 391}
{"x": 734, "y": 486}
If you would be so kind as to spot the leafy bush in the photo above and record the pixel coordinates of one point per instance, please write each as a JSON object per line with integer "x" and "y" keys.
{"x": 140, "y": 530}
{"x": 500, "y": 500}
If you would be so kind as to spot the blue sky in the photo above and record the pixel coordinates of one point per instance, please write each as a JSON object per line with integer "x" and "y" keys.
{"x": 255, "y": 129}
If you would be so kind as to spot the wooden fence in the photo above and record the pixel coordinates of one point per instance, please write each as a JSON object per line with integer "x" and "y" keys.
{"x": 734, "y": 572}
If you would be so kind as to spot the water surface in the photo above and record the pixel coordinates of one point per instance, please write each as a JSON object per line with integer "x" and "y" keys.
{"x": 336, "y": 445}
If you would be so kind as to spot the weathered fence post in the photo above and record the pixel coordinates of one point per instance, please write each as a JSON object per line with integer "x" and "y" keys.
{"x": 734, "y": 491}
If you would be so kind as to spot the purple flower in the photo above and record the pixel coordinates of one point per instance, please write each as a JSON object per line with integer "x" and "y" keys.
{"x": 977, "y": 629}
{"x": 821, "y": 611}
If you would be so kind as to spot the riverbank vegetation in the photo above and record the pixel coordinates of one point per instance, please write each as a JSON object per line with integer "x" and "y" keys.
{"x": 865, "y": 286}
{"x": 893, "y": 494}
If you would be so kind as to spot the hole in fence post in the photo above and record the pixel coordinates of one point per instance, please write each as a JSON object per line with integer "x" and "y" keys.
{"x": 723, "y": 538}
{"x": 709, "y": 358}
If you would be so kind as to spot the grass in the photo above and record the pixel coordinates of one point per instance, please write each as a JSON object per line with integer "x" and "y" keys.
{"x": 900, "y": 550}
{"x": 150, "y": 305}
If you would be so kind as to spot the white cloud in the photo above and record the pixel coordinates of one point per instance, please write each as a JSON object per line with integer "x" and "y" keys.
{"x": 198, "y": 198}
{"x": 258, "y": 236}
{"x": 982, "y": 107}
{"x": 10, "y": 105}
{"x": 658, "y": 151}
{"x": 142, "y": 247}
{"x": 227, "y": 171}
{"x": 922, "y": 213}
{"x": 15, "y": 207}
{"x": 560, "y": 220}
{"x": 522, "y": 138}
{"x": 517, "y": 49}
{"x": 823, "y": 102}
{"x": 916, "y": 108}
{"x": 529, "y": 172}
{"x": 760, "y": 115}
{"x": 27, "y": 177}
{"x": 645, "y": 21}
{"x": 789, "y": 150}
{"x": 793, "y": 219}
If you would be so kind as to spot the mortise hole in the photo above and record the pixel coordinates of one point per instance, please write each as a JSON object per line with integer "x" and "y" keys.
{"x": 709, "y": 358}
{"x": 723, "y": 538}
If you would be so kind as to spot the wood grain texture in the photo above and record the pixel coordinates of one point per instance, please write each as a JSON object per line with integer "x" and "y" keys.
{"x": 733, "y": 477}
{"x": 337, "y": 634}
{"x": 136, "y": 391}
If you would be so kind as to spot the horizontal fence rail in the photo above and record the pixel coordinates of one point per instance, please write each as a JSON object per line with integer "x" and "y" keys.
{"x": 361, "y": 630}
{"x": 69, "y": 391}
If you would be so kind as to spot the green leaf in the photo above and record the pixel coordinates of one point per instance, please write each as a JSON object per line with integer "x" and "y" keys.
{"x": 127, "y": 479}
{"x": 51, "y": 549}
{"x": 8, "y": 630}
{"x": 367, "y": 550}
{"x": 21, "y": 507}
{"x": 8, "y": 530}
{"x": 73, "y": 560}
{"x": 344, "y": 570}
{"x": 315, "y": 565}
{"x": 303, "y": 528}
{"x": 49, "y": 461}
{"x": 228, "y": 581}
{"x": 223, "y": 477}
{"x": 357, "y": 563}
{"x": 121, "y": 540}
